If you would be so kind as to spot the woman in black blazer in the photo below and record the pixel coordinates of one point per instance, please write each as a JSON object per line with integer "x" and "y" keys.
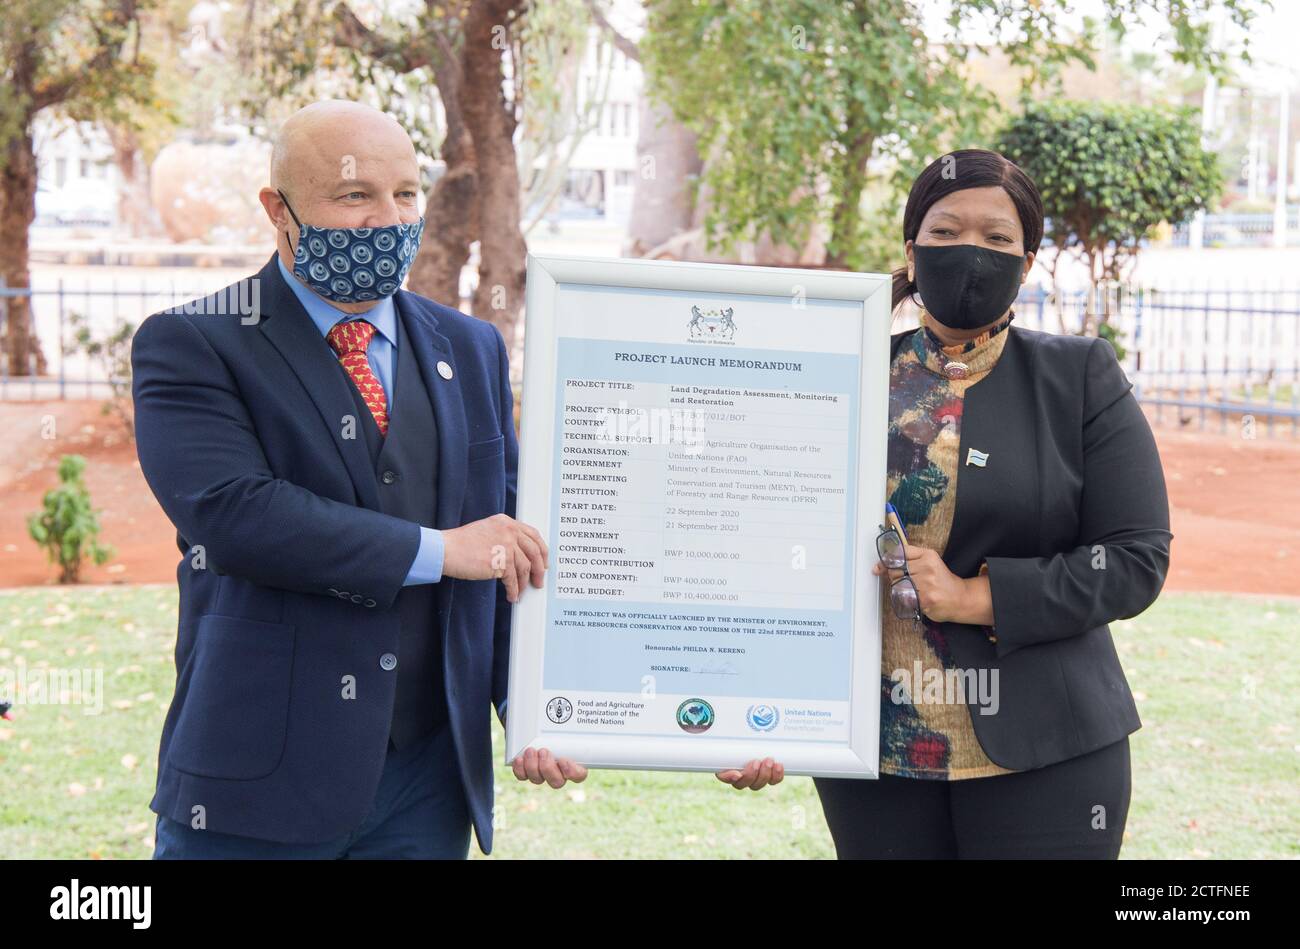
{"x": 1026, "y": 461}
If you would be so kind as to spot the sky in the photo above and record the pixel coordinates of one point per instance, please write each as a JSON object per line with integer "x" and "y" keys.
{"x": 1272, "y": 34}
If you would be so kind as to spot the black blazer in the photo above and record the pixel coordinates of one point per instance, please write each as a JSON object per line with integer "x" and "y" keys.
{"x": 1071, "y": 515}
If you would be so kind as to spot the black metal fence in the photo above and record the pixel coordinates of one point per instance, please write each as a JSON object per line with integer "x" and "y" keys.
{"x": 1213, "y": 357}
{"x": 103, "y": 307}
{"x": 1240, "y": 230}
{"x": 1225, "y": 357}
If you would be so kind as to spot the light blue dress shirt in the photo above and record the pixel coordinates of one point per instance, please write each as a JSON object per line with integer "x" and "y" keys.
{"x": 381, "y": 353}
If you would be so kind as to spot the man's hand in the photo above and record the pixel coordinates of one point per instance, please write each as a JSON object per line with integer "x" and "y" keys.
{"x": 539, "y": 765}
{"x": 497, "y": 546}
{"x": 757, "y": 774}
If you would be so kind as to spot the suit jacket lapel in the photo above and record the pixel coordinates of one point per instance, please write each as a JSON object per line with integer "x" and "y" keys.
{"x": 981, "y": 518}
{"x": 288, "y": 327}
{"x": 429, "y": 348}
{"x": 982, "y": 514}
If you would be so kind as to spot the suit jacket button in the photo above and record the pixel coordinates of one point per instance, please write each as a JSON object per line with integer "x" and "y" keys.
{"x": 388, "y": 662}
{"x": 388, "y": 477}
{"x": 371, "y": 603}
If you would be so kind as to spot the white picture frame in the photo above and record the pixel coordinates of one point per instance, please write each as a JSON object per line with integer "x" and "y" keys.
{"x": 861, "y": 298}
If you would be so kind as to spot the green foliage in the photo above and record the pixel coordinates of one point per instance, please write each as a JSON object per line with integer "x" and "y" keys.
{"x": 1110, "y": 172}
{"x": 810, "y": 111}
{"x": 68, "y": 528}
{"x": 792, "y": 98}
{"x": 295, "y": 52}
{"x": 112, "y": 353}
{"x": 81, "y": 56}
{"x": 395, "y": 56}
{"x": 1111, "y": 334}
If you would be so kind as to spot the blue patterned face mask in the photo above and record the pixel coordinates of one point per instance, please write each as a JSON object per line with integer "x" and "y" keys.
{"x": 354, "y": 264}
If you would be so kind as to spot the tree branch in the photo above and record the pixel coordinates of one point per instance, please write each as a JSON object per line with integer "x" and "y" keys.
{"x": 66, "y": 86}
{"x": 351, "y": 33}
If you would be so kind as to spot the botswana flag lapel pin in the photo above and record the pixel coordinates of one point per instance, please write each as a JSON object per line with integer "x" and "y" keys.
{"x": 976, "y": 457}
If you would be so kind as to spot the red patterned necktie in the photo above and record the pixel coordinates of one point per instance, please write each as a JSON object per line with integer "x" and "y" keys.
{"x": 350, "y": 340}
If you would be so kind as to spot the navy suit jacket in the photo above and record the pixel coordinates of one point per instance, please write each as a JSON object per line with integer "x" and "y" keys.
{"x": 289, "y": 571}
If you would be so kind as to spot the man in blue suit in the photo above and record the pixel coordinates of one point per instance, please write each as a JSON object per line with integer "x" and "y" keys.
{"x": 339, "y": 459}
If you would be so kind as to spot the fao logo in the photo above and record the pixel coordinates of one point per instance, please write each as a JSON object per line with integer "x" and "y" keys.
{"x": 695, "y": 716}
{"x": 559, "y": 710}
{"x": 762, "y": 718}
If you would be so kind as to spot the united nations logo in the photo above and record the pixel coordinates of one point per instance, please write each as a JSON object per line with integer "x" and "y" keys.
{"x": 559, "y": 709}
{"x": 762, "y": 718}
{"x": 695, "y": 716}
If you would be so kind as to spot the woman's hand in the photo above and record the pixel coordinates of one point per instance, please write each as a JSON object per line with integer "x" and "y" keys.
{"x": 945, "y": 597}
{"x": 757, "y": 774}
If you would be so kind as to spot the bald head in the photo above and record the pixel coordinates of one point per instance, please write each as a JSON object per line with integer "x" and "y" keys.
{"x": 340, "y": 164}
{"x": 336, "y": 139}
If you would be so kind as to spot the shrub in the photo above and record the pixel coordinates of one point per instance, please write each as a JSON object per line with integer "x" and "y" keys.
{"x": 68, "y": 528}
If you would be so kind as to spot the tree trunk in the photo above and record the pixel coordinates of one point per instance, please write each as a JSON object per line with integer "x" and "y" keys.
{"x": 860, "y": 139}
{"x": 847, "y": 216}
{"x": 135, "y": 210}
{"x": 499, "y": 297}
{"x": 451, "y": 216}
{"x": 17, "y": 211}
{"x": 668, "y": 160}
{"x": 453, "y": 204}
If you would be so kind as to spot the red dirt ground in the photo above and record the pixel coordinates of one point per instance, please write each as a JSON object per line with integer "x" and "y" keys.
{"x": 1233, "y": 507}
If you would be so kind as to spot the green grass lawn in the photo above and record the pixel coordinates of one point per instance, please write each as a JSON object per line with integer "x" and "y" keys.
{"x": 1259, "y": 393}
{"x": 1215, "y": 773}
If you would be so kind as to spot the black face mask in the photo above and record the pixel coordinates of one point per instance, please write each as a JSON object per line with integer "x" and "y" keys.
{"x": 965, "y": 286}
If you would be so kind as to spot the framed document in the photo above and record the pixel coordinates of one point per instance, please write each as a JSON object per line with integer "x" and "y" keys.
{"x": 703, "y": 448}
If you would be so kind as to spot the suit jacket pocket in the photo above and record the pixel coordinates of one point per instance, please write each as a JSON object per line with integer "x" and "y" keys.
{"x": 486, "y": 448}
{"x": 486, "y": 473}
{"x": 234, "y": 712}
